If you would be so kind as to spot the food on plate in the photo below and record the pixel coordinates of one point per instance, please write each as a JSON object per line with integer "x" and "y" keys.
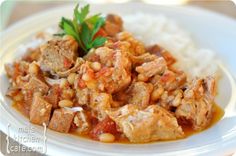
{"x": 96, "y": 79}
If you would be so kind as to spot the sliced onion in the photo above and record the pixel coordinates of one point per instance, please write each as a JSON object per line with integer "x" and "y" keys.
{"x": 53, "y": 81}
{"x": 74, "y": 109}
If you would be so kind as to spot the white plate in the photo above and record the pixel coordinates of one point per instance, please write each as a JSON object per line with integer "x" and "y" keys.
{"x": 209, "y": 30}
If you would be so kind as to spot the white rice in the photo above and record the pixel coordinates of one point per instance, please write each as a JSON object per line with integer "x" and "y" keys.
{"x": 35, "y": 41}
{"x": 165, "y": 32}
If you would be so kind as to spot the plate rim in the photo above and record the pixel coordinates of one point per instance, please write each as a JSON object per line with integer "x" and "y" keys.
{"x": 37, "y": 15}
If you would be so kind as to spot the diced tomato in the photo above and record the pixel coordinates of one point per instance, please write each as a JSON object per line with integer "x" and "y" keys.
{"x": 67, "y": 63}
{"x": 93, "y": 120}
{"x": 16, "y": 71}
{"x": 101, "y": 32}
{"x": 90, "y": 72}
{"x": 167, "y": 77}
{"x": 105, "y": 126}
{"x": 81, "y": 83}
{"x": 168, "y": 57}
{"x": 73, "y": 126}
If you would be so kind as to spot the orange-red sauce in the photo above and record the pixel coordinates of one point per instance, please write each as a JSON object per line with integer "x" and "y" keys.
{"x": 218, "y": 113}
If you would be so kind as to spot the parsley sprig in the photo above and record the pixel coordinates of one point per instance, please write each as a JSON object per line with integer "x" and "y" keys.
{"x": 83, "y": 28}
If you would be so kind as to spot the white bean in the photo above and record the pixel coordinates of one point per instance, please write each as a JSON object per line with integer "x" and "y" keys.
{"x": 33, "y": 68}
{"x": 71, "y": 78}
{"x": 65, "y": 103}
{"x": 106, "y": 137}
{"x": 63, "y": 83}
{"x": 96, "y": 66}
{"x": 86, "y": 77}
{"x": 156, "y": 94}
{"x": 68, "y": 93}
{"x": 143, "y": 78}
{"x": 18, "y": 97}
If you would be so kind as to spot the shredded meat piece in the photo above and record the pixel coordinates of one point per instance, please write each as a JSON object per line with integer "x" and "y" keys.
{"x": 12, "y": 91}
{"x": 116, "y": 75}
{"x": 196, "y": 106}
{"x": 82, "y": 122}
{"x": 19, "y": 68}
{"x": 159, "y": 51}
{"x": 135, "y": 47}
{"x": 139, "y": 94}
{"x": 149, "y": 69}
{"x": 100, "y": 103}
{"x": 138, "y": 60}
{"x": 171, "y": 99}
{"x": 151, "y": 124}
{"x": 170, "y": 80}
{"x": 75, "y": 68}
{"x": 83, "y": 96}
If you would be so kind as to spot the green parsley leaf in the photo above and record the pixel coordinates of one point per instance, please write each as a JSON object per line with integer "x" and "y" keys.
{"x": 85, "y": 35}
{"x": 83, "y": 28}
{"x": 93, "y": 19}
{"x": 98, "y": 24}
{"x": 99, "y": 41}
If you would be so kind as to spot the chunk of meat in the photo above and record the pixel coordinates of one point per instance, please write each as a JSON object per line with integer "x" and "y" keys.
{"x": 12, "y": 91}
{"x": 138, "y": 60}
{"x": 23, "y": 107}
{"x": 139, "y": 94}
{"x": 170, "y": 80}
{"x": 113, "y": 25}
{"x": 196, "y": 106}
{"x": 58, "y": 55}
{"x": 105, "y": 126}
{"x": 157, "y": 92}
{"x": 149, "y": 69}
{"x": 159, "y": 51}
{"x": 53, "y": 95}
{"x": 79, "y": 61}
{"x": 16, "y": 69}
{"x": 40, "y": 110}
{"x": 117, "y": 75}
{"x": 82, "y": 122}
{"x": 83, "y": 96}
{"x": 151, "y": 124}
{"x": 9, "y": 70}
{"x": 85, "y": 77}
{"x": 135, "y": 46}
{"x": 105, "y": 56}
{"x": 171, "y": 100}
{"x": 209, "y": 85}
{"x": 28, "y": 99}
{"x": 36, "y": 85}
{"x": 100, "y": 103}
{"x": 61, "y": 120}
